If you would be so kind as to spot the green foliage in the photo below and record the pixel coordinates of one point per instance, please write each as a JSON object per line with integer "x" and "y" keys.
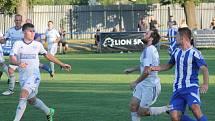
{"x": 8, "y": 6}
{"x": 181, "y": 2}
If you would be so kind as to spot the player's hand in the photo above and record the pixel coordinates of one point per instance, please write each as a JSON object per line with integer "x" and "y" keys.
{"x": 128, "y": 70}
{"x": 147, "y": 70}
{"x": 23, "y": 65}
{"x": 133, "y": 85}
{"x": 204, "y": 88}
{"x": 67, "y": 67}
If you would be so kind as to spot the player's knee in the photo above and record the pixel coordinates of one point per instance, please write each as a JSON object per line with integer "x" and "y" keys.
{"x": 144, "y": 112}
{"x": 196, "y": 111}
{"x": 175, "y": 117}
{"x": 133, "y": 106}
{"x": 31, "y": 101}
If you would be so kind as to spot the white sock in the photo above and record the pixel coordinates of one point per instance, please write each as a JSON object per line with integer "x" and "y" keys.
{"x": 52, "y": 66}
{"x": 134, "y": 116}
{"x": 5, "y": 67}
{"x": 20, "y": 109}
{"x": 40, "y": 105}
{"x": 157, "y": 110}
{"x": 12, "y": 82}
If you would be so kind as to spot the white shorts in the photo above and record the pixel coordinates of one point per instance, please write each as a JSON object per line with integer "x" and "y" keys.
{"x": 147, "y": 94}
{"x": 31, "y": 85}
{"x": 52, "y": 50}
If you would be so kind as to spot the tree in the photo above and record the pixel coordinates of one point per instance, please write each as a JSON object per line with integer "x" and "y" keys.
{"x": 189, "y": 10}
{"x": 8, "y": 6}
{"x": 22, "y": 8}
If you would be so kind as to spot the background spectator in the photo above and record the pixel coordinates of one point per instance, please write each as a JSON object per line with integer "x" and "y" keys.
{"x": 142, "y": 25}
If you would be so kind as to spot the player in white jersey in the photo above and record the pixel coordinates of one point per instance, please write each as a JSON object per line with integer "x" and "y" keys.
{"x": 188, "y": 61}
{"x": 12, "y": 35}
{"x": 25, "y": 54}
{"x": 2, "y": 64}
{"x": 52, "y": 38}
{"x": 146, "y": 87}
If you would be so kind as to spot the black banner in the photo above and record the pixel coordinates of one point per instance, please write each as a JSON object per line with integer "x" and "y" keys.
{"x": 121, "y": 41}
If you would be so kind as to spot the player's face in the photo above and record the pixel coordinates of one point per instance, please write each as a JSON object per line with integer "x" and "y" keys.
{"x": 178, "y": 39}
{"x": 147, "y": 37}
{"x": 50, "y": 25}
{"x": 18, "y": 21}
{"x": 29, "y": 34}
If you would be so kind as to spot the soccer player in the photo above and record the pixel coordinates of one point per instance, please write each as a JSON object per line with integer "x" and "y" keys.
{"x": 52, "y": 37}
{"x": 146, "y": 87}
{"x": 171, "y": 34}
{"x": 2, "y": 64}
{"x": 12, "y": 35}
{"x": 24, "y": 54}
{"x": 188, "y": 61}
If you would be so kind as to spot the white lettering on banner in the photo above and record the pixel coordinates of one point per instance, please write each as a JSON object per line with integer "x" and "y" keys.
{"x": 111, "y": 42}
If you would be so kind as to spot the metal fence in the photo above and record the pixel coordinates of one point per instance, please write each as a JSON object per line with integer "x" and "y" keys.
{"x": 82, "y": 21}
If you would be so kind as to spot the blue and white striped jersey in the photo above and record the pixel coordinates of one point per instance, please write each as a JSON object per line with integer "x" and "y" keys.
{"x": 187, "y": 64}
{"x": 171, "y": 33}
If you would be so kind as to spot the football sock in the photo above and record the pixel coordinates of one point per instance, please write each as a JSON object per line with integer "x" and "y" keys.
{"x": 5, "y": 67}
{"x": 12, "y": 82}
{"x": 157, "y": 110}
{"x": 52, "y": 66}
{"x": 186, "y": 118}
{"x": 203, "y": 118}
{"x": 40, "y": 105}
{"x": 134, "y": 116}
{"x": 20, "y": 109}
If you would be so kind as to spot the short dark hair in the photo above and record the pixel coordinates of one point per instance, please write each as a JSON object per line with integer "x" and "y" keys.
{"x": 50, "y": 21}
{"x": 27, "y": 25}
{"x": 156, "y": 37}
{"x": 185, "y": 31}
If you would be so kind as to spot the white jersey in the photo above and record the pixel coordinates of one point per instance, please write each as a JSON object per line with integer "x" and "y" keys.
{"x": 1, "y": 51}
{"x": 28, "y": 53}
{"x": 12, "y": 35}
{"x": 150, "y": 57}
{"x": 51, "y": 36}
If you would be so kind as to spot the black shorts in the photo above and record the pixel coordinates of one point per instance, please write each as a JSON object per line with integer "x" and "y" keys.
{"x": 63, "y": 43}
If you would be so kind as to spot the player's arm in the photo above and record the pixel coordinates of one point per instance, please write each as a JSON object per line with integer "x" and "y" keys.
{"x": 56, "y": 61}
{"x": 132, "y": 69}
{"x": 163, "y": 67}
{"x": 204, "y": 86}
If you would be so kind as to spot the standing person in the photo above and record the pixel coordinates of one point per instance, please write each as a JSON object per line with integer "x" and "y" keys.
{"x": 153, "y": 24}
{"x": 2, "y": 64}
{"x": 97, "y": 40}
{"x": 142, "y": 25}
{"x": 212, "y": 25}
{"x": 171, "y": 21}
{"x": 187, "y": 60}
{"x": 62, "y": 43}
{"x": 25, "y": 54}
{"x": 146, "y": 87}
{"x": 52, "y": 37}
{"x": 171, "y": 34}
{"x": 11, "y": 36}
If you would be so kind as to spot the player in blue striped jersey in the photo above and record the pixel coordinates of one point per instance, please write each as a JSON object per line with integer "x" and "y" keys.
{"x": 171, "y": 34}
{"x": 188, "y": 61}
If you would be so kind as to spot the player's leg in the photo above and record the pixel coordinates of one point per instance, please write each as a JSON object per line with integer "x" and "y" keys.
{"x": 178, "y": 107}
{"x": 12, "y": 80}
{"x": 46, "y": 68}
{"x": 193, "y": 101}
{"x": 149, "y": 97}
{"x": 22, "y": 104}
{"x": 60, "y": 46}
{"x": 134, "y": 103}
{"x": 134, "y": 106}
{"x": 53, "y": 51}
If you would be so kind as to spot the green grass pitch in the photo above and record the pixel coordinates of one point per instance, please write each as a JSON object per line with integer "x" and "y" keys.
{"x": 97, "y": 90}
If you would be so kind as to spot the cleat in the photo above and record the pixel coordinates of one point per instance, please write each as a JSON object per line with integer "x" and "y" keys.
{"x": 168, "y": 108}
{"x": 51, "y": 74}
{"x": 7, "y": 93}
{"x": 51, "y": 115}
